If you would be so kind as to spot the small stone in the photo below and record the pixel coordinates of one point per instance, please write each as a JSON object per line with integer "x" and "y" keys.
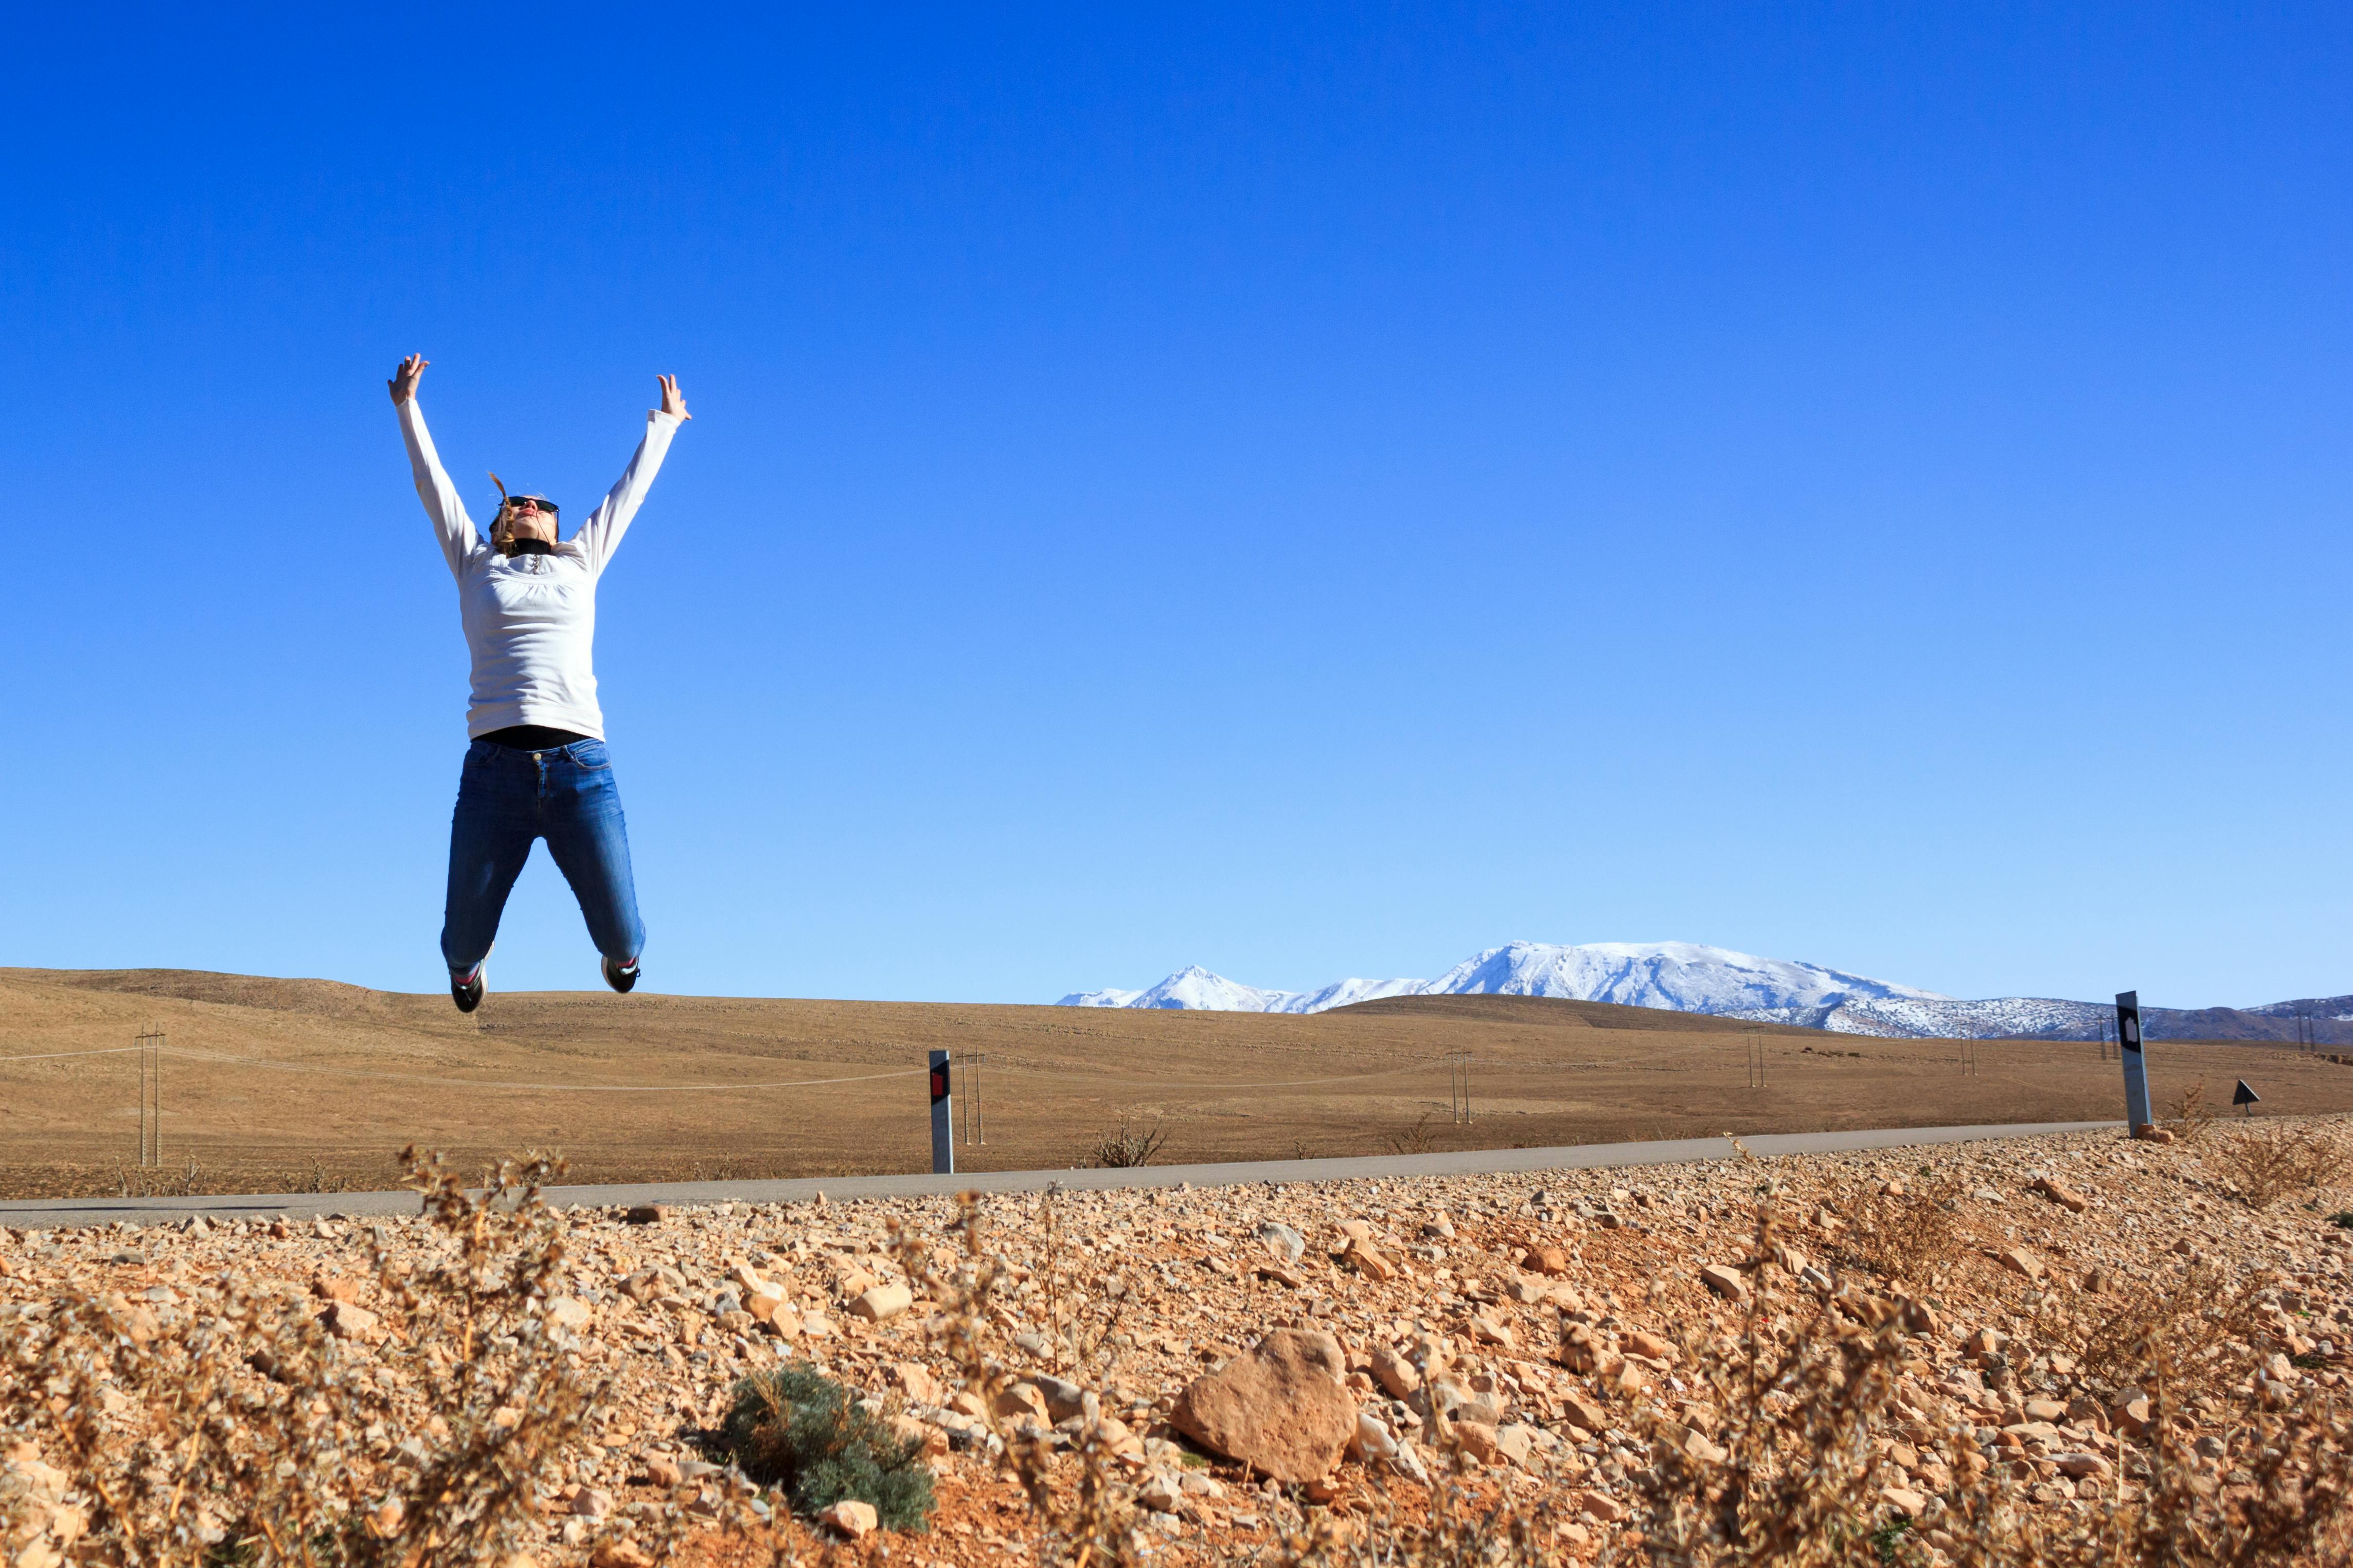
{"x": 883, "y": 1303}
{"x": 1583, "y": 1413}
{"x": 1726, "y": 1282}
{"x": 662, "y": 1470}
{"x": 335, "y": 1288}
{"x": 645, "y": 1214}
{"x": 1600, "y": 1507}
{"x": 568, "y": 1312}
{"x": 592, "y": 1502}
{"x": 1373, "y": 1439}
{"x": 1394, "y": 1372}
{"x": 2078, "y": 1465}
{"x": 1515, "y": 1441}
{"x": 1479, "y": 1440}
{"x": 1285, "y": 1244}
{"x": 1489, "y": 1331}
{"x": 346, "y": 1321}
{"x": 618, "y": 1554}
{"x": 2067, "y": 1197}
{"x": 2018, "y": 1261}
{"x": 921, "y": 1437}
{"x": 1649, "y": 1344}
{"x": 853, "y": 1519}
{"x": 1552, "y": 1261}
{"x": 915, "y": 1380}
{"x": 1904, "y": 1500}
{"x": 1063, "y": 1398}
{"x": 1022, "y": 1399}
{"x": 1367, "y": 1260}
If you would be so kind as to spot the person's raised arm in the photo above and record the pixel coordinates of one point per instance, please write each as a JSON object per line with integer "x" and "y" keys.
{"x": 455, "y": 529}
{"x": 601, "y": 534}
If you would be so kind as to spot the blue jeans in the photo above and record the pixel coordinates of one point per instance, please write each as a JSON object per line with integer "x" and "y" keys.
{"x": 507, "y": 799}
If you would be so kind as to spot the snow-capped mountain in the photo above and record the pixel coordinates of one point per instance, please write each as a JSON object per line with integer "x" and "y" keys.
{"x": 1195, "y": 987}
{"x": 1681, "y": 975}
{"x": 1687, "y": 977}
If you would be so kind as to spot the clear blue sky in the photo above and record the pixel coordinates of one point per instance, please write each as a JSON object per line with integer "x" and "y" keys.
{"x": 1306, "y": 491}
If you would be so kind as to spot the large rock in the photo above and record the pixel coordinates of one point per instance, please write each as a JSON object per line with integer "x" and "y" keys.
{"x": 1279, "y": 1408}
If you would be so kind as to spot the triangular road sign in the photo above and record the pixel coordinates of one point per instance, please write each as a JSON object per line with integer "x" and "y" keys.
{"x": 2243, "y": 1095}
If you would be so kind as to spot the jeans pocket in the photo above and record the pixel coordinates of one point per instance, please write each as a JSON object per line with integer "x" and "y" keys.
{"x": 590, "y": 756}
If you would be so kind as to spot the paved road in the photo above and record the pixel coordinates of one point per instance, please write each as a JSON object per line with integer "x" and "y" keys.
{"x": 42, "y": 1213}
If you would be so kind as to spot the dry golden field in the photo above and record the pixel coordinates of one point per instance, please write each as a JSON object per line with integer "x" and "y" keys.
{"x": 271, "y": 1085}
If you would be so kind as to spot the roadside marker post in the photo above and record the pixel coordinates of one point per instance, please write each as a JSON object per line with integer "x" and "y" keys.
{"x": 2128, "y": 1049}
{"x": 943, "y": 1118}
{"x": 2246, "y": 1099}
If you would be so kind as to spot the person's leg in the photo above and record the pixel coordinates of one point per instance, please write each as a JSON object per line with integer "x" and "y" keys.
{"x": 590, "y": 841}
{"x": 489, "y": 840}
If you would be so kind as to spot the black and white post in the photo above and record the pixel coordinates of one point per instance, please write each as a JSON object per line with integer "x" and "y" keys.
{"x": 943, "y": 1118}
{"x": 2128, "y": 1048}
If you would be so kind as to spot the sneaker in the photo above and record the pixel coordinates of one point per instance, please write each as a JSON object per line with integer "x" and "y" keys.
{"x": 622, "y": 977}
{"x": 466, "y": 990}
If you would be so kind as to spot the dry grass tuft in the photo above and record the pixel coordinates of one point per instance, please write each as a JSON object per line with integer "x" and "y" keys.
{"x": 246, "y": 1426}
{"x": 2192, "y": 1115}
{"x": 1417, "y": 1138}
{"x": 1124, "y": 1147}
{"x": 2271, "y": 1160}
{"x": 1905, "y": 1232}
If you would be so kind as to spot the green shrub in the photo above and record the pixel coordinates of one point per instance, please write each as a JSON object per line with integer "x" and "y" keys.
{"x": 797, "y": 1429}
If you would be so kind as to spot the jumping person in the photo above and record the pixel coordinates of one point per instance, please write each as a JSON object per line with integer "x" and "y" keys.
{"x": 537, "y": 767}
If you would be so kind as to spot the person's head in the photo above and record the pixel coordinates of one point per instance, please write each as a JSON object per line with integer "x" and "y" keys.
{"x": 524, "y": 517}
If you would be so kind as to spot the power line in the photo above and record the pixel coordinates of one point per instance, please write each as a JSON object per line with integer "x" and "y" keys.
{"x": 56, "y": 1056}
{"x": 558, "y": 1088}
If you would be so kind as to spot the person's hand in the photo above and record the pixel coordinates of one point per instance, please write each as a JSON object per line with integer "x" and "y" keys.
{"x": 402, "y": 385}
{"x": 672, "y": 403}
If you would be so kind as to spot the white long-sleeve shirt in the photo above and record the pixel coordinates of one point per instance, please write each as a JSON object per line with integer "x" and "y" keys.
{"x": 530, "y": 619}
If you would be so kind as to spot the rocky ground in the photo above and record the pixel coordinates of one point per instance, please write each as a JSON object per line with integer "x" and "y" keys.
{"x": 1531, "y": 1314}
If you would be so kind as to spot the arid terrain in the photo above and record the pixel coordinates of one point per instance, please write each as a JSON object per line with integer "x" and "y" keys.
{"x": 2066, "y": 1349}
{"x": 272, "y": 1085}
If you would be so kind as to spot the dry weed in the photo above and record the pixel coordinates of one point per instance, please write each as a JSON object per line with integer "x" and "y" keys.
{"x": 2272, "y": 1160}
{"x": 1417, "y": 1138}
{"x": 1903, "y": 1232}
{"x": 1123, "y": 1147}
{"x": 2192, "y": 1116}
{"x": 244, "y": 1425}
{"x": 1093, "y": 1517}
{"x": 1775, "y": 1456}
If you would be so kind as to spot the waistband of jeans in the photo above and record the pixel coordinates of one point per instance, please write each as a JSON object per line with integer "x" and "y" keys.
{"x": 572, "y": 750}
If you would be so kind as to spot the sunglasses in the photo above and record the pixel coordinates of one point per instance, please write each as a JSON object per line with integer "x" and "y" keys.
{"x": 542, "y": 502}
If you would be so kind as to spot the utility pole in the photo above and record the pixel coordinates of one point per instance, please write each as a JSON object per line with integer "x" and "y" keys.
{"x": 150, "y": 1099}
{"x": 976, "y": 1127}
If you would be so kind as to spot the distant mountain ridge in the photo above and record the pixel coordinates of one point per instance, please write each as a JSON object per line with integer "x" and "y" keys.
{"x": 1690, "y": 977}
